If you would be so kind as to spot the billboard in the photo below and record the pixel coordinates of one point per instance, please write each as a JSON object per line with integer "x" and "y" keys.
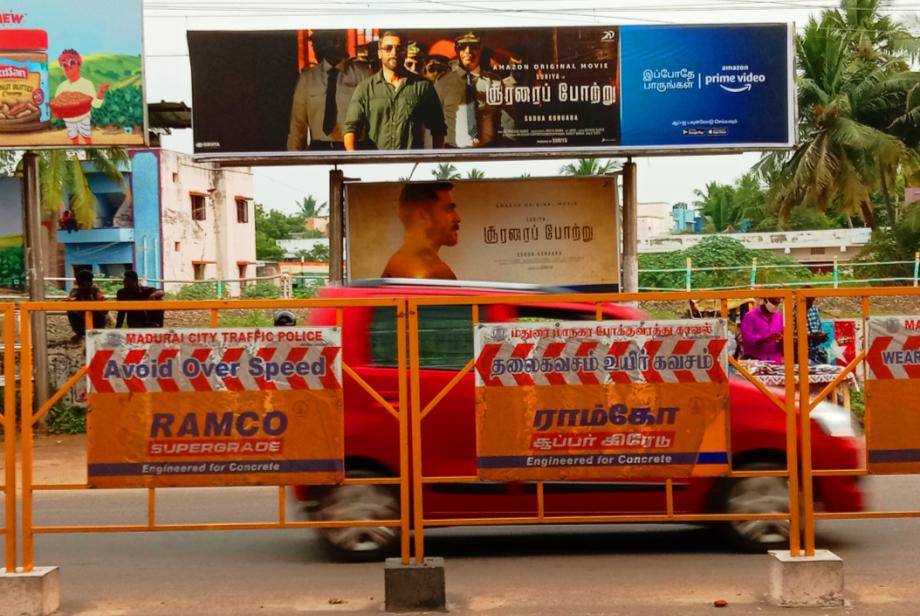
{"x": 892, "y": 410}
{"x": 214, "y": 407}
{"x": 548, "y": 231}
{"x": 71, "y": 74}
{"x": 577, "y": 400}
{"x": 318, "y": 94}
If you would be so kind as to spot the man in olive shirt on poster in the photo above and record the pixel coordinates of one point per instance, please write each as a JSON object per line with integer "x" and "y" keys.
{"x": 390, "y": 109}
{"x": 133, "y": 291}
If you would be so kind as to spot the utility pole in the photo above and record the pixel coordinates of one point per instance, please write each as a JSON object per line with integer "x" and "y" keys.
{"x": 336, "y": 227}
{"x": 630, "y": 281}
{"x": 35, "y": 267}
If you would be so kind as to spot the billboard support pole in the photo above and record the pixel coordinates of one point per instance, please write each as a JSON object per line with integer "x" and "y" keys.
{"x": 336, "y": 227}
{"x": 35, "y": 272}
{"x": 630, "y": 282}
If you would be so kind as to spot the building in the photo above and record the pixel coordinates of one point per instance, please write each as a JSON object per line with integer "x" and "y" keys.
{"x": 653, "y": 219}
{"x": 687, "y": 219}
{"x": 185, "y": 221}
{"x": 806, "y": 247}
{"x": 296, "y": 247}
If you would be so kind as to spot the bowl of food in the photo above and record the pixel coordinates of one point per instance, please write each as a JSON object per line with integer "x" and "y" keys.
{"x": 71, "y": 104}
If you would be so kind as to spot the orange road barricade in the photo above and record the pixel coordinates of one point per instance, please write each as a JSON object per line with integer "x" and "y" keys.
{"x": 8, "y": 421}
{"x": 888, "y": 362}
{"x": 559, "y": 398}
{"x": 215, "y": 406}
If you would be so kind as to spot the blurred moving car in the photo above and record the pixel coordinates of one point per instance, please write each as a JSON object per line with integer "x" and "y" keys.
{"x": 758, "y": 436}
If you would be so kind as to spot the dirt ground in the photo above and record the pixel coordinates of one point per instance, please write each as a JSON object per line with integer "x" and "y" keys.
{"x": 59, "y": 458}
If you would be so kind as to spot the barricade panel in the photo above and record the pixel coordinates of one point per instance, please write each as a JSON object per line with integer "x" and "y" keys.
{"x": 459, "y": 452}
{"x": 281, "y": 388}
{"x": 887, "y": 361}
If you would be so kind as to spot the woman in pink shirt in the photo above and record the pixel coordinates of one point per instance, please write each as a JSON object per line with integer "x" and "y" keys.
{"x": 762, "y": 332}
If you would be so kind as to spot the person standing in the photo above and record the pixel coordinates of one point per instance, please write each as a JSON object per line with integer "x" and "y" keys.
{"x": 471, "y": 121}
{"x": 132, "y": 291}
{"x": 85, "y": 291}
{"x": 322, "y": 94}
{"x": 762, "y": 332}
{"x": 393, "y": 107}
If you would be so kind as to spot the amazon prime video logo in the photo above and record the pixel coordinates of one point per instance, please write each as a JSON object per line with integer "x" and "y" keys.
{"x": 734, "y": 78}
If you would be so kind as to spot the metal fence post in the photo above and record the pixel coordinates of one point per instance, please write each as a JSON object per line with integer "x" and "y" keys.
{"x": 836, "y": 272}
{"x": 916, "y": 267}
{"x": 754, "y": 272}
{"x": 688, "y": 277}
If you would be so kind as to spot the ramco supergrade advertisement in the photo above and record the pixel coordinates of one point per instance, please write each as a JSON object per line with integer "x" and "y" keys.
{"x": 214, "y": 407}
{"x": 892, "y": 407}
{"x": 71, "y": 74}
{"x": 324, "y": 92}
{"x": 549, "y": 231}
{"x": 593, "y": 400}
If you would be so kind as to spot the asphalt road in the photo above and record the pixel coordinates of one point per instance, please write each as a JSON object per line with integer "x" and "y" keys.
{"x": 635, "y": 570}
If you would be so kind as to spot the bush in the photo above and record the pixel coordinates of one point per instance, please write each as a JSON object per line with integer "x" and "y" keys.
{"x": 262, "y": 290}
{"x": 200, "y": 290}
{"x": 718, "y": 251}
{"x": 250, "y": 318}
{"x": 66, "y": 419}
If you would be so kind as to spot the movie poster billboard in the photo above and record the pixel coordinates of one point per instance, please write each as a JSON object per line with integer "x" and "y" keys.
{"x": 547, "y": 231}
{"x": 314, "y": 94}
{"x": 576, "y": 400}
{"x": 214, "y": 407}
{"x": 71, "y": 74}
{"x": 892, "y": 407}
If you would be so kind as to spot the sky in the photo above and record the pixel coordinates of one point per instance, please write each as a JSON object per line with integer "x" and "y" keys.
{"x": 660, "y": 179}
{"x": 64, "y": 21}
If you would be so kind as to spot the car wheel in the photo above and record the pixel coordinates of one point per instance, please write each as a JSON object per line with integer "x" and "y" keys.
{"x": 359, "y": 502}
{"x": 757, "y": 495}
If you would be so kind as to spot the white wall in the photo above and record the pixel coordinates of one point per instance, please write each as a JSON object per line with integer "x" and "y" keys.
{"x": 653, "y": 219}
{"x": 219, "y": 241}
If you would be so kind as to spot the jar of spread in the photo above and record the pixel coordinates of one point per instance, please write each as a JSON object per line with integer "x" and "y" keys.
{"x": 24, "y": 81}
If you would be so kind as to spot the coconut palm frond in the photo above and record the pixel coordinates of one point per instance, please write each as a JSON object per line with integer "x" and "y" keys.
{"x": 82, "y": 200}
{"x": 52, "y": 182}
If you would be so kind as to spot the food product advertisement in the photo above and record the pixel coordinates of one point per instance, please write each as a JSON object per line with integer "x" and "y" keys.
{"x": 64, "y": 80}
{"x": 594, "y": 400}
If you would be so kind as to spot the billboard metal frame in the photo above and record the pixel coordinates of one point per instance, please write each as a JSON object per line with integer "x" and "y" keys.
{"x": 256, "y": 159}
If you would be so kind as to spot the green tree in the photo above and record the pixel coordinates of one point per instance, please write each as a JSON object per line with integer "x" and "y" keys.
{"x": 717, "y": 205}
{"x": 589, "y": 166}
{"x": 61, "y": 176}
{"x": 309, "y": 208}
{"x": 475, "y": 174}
{"x": 854, "y": 83}
{"x": 446, "y": 171}
{"x": 269, "y": 229}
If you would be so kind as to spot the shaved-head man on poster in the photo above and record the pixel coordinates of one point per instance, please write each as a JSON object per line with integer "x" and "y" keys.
{"x": 430, "y": 220}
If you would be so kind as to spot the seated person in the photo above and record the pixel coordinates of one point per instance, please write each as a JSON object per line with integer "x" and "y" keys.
{"x": 85, "y": 291}
{"x": 133, "y": 291}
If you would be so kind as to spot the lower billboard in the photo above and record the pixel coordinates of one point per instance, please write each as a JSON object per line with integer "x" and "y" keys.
{"x": 546, "y": 231}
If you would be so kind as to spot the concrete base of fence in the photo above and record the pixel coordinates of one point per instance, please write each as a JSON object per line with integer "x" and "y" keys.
{"x": 414, "y": 588}
{"x": 36, "y": 593}
{"x": 806, "y": 581}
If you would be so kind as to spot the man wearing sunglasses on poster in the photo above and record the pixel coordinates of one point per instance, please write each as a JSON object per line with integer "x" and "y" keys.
{"x": 471, "y": 121}
{"x": 79, "y": 127}
{"x": 391, "y": 109}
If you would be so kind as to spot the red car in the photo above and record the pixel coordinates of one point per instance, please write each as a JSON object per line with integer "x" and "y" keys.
{"x": 449, "y": 444}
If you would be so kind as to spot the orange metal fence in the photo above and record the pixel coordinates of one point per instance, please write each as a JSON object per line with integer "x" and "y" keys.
{"x": 808, "y": 404}
{"x": 421, "y": 410}
{"x": 30, "y": 419}
{"x": 412, "y": 411}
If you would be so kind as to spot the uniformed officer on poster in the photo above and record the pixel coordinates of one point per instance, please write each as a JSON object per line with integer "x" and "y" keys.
{"x": 471, "y": 121}
{"x": 322, "y": 94}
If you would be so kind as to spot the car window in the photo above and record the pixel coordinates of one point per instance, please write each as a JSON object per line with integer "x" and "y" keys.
{"x": 542, "y": 313}
{"x": 446, "y": 337}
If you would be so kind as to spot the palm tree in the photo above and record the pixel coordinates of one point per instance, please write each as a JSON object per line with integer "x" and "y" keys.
{"x": 475, "y": 174}
{"x": 309, "y": 208}
{"x": 446, "y": 171}
{"x": 589, "y": 166}
{"x": 718, "y": 207}
{"x": 845, "y": 153}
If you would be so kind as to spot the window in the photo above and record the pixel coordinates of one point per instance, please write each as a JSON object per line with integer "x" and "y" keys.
{"x": 818, "y": 251}
{"x": 198, "y": 207}
{"x": 242, "y": 210}
{"x": 199, "y": 270}
{"x": 445, "y": 332}
{"x": 177, "y": 246}
{"x": 242, "y": 267}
